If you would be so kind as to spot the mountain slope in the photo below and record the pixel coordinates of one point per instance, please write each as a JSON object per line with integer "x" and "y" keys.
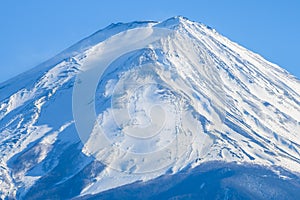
{"x": 205, "y": 98}
{"x": 212, "y": 180}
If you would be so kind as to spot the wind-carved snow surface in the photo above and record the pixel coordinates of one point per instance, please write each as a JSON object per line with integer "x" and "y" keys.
{"x": 119, "y": 107}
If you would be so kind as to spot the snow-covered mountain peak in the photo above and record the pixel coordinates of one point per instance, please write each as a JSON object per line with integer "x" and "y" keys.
{"x": 138, "y": 100}
{"x": 177, "y": 20}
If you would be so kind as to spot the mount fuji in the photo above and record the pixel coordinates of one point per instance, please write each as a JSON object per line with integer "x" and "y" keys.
{"x": 151, "y": 110}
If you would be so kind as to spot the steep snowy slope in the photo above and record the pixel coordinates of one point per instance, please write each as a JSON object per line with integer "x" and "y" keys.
{"x": 139, "y": 100}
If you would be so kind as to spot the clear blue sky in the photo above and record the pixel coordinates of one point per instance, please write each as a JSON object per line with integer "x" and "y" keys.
{"x": 32, "y": 31}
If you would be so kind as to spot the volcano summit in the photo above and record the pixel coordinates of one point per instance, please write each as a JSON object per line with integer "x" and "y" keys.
{"x": 155, "y": 110}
